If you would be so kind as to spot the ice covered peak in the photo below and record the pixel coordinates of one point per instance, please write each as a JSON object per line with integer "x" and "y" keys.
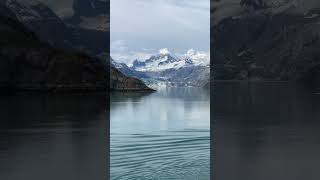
{"x": 197, "y": 57}
{"x": 164, "y": 51}
{"x": 191, "y": 52}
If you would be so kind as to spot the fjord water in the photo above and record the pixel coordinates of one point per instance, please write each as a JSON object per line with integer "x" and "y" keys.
{"x": 161, "y": 135}
{"x": 53, "y": 137}
{"x": 266, "y": 131}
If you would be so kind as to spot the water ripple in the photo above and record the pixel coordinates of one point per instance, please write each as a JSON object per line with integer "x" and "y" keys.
{"x": 169, "y": 155}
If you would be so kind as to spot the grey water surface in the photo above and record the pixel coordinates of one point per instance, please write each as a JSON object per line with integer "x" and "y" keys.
{"x": 53, "y": 137}
{"x": 266, "y": 131}
{"x": 162, "y": 135}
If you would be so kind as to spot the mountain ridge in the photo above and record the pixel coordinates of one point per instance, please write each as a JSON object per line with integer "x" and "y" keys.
{"x": 31, "y": 64}
{"x": 27, "y": 64}
{"x": 166, "y": 69}
{"x": 56, "y": 31}
{"x": 278, "y": 43}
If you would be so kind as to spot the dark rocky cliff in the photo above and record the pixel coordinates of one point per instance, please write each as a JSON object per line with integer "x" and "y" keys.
{"x": 28, "y": 64}
{"x": 122, "y": 82}
{"x": 58, "y": 32}
{"x": 267, "y": 41}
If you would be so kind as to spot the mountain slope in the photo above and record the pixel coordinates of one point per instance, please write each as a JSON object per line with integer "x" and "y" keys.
{"x": 166, "y": 69}
{"x": 119, "y": 81}
{"x": 268, "y": 41}
{"x": 41, "y": 20}
{"x": 123, "y": 68}
{"x": 58, "y": 32}
{"x": 28, "y": 64}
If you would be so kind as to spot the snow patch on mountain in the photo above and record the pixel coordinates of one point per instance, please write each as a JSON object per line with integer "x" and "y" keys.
{"x": 165, "y": 60}
{"x": 167, "y": 69}
{"x": 164, "y": 51}
{"x": 198, "y": 57}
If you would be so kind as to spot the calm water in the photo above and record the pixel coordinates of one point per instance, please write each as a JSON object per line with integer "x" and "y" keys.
{"x": 266, "y": 131}
{"x": 53, "y": 137}
{"x": 163, "y": 135}
{"x": 262, "y": 131}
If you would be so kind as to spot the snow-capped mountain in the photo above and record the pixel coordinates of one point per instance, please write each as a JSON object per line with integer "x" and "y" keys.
{"x": 165, "y": 60}
{"x": 197, "y": 58}
{"x": 168, "y": 69}
{"x": 122, "y": 67}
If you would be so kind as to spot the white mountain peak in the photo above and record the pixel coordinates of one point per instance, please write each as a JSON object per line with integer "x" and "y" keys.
{"x": 165, "y": 60}
{"x": 191, "y": 52}
{"x": 164, "y": 51}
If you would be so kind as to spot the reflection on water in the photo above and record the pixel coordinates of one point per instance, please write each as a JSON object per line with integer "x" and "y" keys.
{"x": 266, "y": 131}
{"x": 53, "y": 137}
{"x": 163, "y": 135}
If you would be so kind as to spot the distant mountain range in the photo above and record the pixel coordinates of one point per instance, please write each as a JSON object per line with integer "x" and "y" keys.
{"x": 166, "y": 69}
{"x": 119, "y": 81}
{"x": 266, "y": 40}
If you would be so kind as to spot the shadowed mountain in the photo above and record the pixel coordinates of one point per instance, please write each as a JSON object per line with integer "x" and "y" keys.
{"x": 28, "y": 64}
{"x": 122, "y": 67}
{"x": 121, "y": 82}
{"x": 86, "y": 35}
{"x": 32, "y": 63}
{"x": 266, "y": 40}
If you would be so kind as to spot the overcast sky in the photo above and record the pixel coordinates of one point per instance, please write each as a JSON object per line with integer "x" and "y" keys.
{"x": 142, "y": 27}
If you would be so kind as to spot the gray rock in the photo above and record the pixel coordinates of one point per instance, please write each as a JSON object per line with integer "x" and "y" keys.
{"x": 268, "y": 44}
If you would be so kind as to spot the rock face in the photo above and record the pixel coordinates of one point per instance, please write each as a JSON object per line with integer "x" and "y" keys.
{"x": 31, "y": 63}
{"x": 79, "y": 32}
{"x": 264, "y": 40}
{"x": 166, "y": 69}
{"x": 123, "y": 68}
{"x": 28, "y": 64}
{"x": 121, "y": 82}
